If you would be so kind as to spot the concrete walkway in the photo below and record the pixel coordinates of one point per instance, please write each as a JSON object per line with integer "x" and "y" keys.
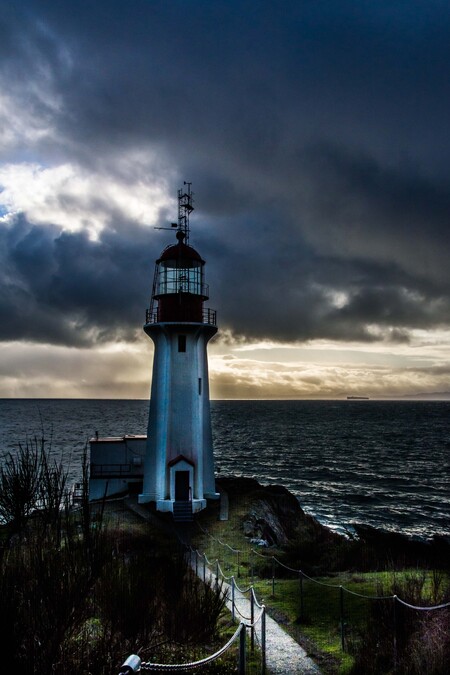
{"x": 284, "y": 656}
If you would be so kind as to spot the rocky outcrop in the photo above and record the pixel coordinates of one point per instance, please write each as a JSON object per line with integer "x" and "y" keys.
{"x": 272, "y": 513}
{"x": 272, "y": 516}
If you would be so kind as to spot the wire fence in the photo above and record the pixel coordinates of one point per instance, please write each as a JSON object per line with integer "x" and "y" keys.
{"x": 337, "y": 616}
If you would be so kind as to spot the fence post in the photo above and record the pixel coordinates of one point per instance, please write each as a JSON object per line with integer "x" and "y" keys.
{"x": 204, "y": 568}
{"x": 196, "y": 562}
{"x": 252, "y": 619}
{"x": 232, "y": 598}
{"x": 263, "y": 641}
{"x": 217, "y": 574}
{"x": 251, "y": 565}
{"x": 302, "y": 607}
{"x": 131, "y": 665}
{"x": 341, "y": 588}
{"x": 273, "y": 577}
{"x": 242, "y": 637}
{"x": 395, "y": 633}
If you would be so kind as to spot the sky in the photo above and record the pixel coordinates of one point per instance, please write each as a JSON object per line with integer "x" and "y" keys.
{"x": 316, "y": 137}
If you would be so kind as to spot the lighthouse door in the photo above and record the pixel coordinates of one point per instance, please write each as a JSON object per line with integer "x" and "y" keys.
{"x": 182, "y": 485}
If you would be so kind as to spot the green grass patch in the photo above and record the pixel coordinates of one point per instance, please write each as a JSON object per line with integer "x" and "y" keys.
{"x": 315, "y": 612}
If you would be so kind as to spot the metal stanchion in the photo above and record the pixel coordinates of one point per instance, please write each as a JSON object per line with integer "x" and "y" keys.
{"x": 242, "y": 638}
{"x": 131, "y": 665}
{"x": 263, "y": 641}
{"x": 395, "y": 634}
{"x": 341, "y": 588}
{"x": 273, "y": 577}
{"x": 252, "y": 620}
{"x": 302, "y": 607}
{"x": 233, "y": 590}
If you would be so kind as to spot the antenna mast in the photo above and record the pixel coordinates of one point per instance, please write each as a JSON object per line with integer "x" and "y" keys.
{"x": 185, "y": 199}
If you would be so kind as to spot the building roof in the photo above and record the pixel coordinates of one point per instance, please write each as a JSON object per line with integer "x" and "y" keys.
{"x": 180, "y": 458}
{"x": 180, "y": 251}
{"x": 117, "y": 439}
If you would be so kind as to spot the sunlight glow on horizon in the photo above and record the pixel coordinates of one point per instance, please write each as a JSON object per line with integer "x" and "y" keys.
{"x": 123, "y": 370}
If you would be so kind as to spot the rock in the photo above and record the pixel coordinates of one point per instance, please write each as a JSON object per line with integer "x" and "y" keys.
{"x": 259, "y": 542}
{"x": 272, "y": 512}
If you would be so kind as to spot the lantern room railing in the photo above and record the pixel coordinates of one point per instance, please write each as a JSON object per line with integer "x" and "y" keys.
{"x": 209, "y": 316}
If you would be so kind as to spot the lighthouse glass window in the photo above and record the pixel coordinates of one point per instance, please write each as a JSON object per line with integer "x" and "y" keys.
{"x": 175, "y": 278}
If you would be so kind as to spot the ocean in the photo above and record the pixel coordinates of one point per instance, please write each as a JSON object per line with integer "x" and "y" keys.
{"x": 380, "y": 463}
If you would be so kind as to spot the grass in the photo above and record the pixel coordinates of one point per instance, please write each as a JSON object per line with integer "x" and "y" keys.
{"x": 312, "y": 615}
{"x": 316, "y": 622}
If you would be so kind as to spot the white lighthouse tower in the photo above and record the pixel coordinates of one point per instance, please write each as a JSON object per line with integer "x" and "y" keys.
{"x": 179, "y": 462}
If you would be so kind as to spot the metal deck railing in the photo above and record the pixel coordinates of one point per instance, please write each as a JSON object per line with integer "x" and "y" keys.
{"x": 209, "y": 317}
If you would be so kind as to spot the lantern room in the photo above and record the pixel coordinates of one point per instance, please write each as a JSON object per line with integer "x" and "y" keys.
{"x": 178, "y": 285}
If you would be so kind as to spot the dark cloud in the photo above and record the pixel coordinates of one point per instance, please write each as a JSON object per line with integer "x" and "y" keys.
{"x": 63, "y": 288}
{"x": 314, "y": 134}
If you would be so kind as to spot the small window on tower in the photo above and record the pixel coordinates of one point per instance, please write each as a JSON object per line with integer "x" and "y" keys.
{"x": 182, "y": 343}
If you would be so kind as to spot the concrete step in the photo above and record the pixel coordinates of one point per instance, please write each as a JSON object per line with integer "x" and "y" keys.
{"x": 182, "y": 511}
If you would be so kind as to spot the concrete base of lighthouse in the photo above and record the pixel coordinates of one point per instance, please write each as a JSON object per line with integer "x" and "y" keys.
{"x": 166, "y": 505}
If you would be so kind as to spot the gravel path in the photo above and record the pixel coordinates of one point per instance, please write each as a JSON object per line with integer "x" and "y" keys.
{"x": 284, "y": 656}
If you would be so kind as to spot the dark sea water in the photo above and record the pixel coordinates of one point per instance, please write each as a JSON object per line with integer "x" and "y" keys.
{"x": 382, "y": 463}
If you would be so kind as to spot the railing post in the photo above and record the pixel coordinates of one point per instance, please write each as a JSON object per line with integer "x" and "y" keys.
{"x": 196, "y": 562}
{"x": 233, "y": 588}
{"x": 263, "y": 641}
{"x": 395, "y": 634}
{"x": 273, "y": 577}
{"x": 242, "y": 637}
{"x": 131, "y": 665}
{"x": 217, "y": 575}
{"x": 341, "y": 588}
{"x": 302, "y": 607}
{"x": 204, "y": 568}
{"x": 251, "y": 565}
{"x": 252, "y": 619}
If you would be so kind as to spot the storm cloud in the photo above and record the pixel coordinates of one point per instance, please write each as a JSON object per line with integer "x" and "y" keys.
{"x": 315, "y": 136}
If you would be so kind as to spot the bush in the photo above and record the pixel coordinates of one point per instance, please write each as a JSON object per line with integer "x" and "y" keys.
{"x": 78, "y": 596}
{"x": 398, "y": 638}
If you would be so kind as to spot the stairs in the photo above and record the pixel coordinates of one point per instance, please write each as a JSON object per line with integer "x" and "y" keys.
{"x": 182, "y": 511}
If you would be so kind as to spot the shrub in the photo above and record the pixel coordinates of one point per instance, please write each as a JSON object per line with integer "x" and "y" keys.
{"x": 403, "y": 639}
{"x": 78, "y": 596}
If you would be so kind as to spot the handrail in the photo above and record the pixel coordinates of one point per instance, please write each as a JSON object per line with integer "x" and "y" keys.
{"x": 234, "y": 608}
{"x": 422, "y": 609}
{"x": 322, "y": 583}
{"x": 347, "y": 590}
{"x": 136, "y": 664}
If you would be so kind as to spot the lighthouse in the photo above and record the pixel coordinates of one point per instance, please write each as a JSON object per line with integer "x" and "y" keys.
{"x": 179, "y": 461}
